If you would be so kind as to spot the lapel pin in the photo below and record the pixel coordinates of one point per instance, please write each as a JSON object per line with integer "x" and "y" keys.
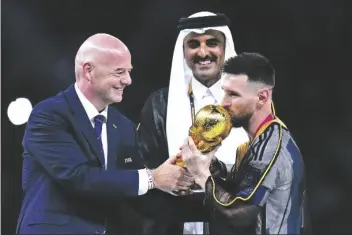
{"x": 114, "y": 125}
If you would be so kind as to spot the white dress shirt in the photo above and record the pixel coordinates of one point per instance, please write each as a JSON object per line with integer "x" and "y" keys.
{"x": 91, "y": 113}
{"x": 202, "y": 96}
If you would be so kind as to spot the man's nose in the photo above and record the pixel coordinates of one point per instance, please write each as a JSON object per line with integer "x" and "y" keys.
{"x": 127, "y": 80}
{"x": 203, "y": 51}
{"x": 225, "y": 102}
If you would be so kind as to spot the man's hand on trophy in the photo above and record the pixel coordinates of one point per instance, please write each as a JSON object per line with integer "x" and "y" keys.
{"x": 196, "y": 162}
{"x": 170, "y": 177}
{"x": 217, "y": 168}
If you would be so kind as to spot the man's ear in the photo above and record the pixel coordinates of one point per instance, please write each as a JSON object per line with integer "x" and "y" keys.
{"x": 87, "y": 69}
{"x": 263, "y": 96}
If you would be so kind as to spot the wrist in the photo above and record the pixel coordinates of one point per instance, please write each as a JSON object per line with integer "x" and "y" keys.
{"x": 202, "y": 178}
{"x": 151, "y": 180}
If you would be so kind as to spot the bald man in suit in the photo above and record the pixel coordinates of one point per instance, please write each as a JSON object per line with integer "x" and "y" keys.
{"x": 80, "y": 154}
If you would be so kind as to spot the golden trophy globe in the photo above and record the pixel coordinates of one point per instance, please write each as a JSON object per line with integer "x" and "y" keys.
{"x": 211, "y": 125}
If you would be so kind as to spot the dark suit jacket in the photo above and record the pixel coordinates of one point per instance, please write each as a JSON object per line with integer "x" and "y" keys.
{"x": 66, "y": 189}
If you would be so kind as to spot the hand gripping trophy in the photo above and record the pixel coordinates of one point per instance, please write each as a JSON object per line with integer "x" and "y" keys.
{"x": 212, "y": 124}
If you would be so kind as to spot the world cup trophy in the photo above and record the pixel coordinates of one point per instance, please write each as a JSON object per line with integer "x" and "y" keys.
{"x": 212, "y": 124}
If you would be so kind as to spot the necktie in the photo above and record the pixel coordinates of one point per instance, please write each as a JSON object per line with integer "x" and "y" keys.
{"x": 98, "y": 125}
{"x": 208, "y": 98}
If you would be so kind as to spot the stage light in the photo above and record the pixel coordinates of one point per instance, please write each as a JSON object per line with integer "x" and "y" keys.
{"x": 19, "y": 110}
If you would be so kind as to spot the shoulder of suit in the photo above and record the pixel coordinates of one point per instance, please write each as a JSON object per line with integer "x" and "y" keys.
{"x": 52, "y": 104}
{"x": 120, "y": 116}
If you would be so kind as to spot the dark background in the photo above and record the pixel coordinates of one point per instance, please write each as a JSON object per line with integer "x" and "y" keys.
{"x": 309, "y": 43}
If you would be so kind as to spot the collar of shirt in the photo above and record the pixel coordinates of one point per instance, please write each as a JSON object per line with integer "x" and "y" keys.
{"x": 266, "y": 120}
{"x": 89, "y": 107}
{"x": 199, "y": 90}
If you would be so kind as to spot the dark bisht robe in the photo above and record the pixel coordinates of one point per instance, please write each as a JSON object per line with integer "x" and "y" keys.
{"x": 175, "y": 210}
{"x": 265, "y": 191}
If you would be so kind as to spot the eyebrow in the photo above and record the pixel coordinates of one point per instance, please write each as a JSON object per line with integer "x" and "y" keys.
{"x": 208, "y": 40}
{"x": 192, "y": 40}
{"x": 213, "y": 40}
{"x": 119, "y": 69}
{"x": 231, "y": 92}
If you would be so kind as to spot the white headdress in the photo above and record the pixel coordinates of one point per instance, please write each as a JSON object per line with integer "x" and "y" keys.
{"x": 179, "y": 117}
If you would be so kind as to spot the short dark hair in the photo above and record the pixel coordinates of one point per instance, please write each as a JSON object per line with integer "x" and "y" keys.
{"x": 254, "y": 65}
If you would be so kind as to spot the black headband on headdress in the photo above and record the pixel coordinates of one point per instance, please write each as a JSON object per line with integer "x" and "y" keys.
{"x": 203, "y": 22}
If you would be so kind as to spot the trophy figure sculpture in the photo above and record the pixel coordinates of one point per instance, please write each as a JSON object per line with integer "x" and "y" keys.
{"x": 212, "y": 124}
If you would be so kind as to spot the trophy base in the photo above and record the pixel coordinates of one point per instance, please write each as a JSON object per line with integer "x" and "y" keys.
{"x": 195, "y": 187}
{"x": 193, "y": 190}
{"x": 197, "y": 191}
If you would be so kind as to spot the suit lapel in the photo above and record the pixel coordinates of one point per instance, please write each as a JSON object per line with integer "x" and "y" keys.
{"x": 83, "y": 122}
{"x": 112, "y": 130}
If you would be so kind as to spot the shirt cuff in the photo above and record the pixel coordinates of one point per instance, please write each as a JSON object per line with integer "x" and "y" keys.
{"x": 143, "y": 181}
